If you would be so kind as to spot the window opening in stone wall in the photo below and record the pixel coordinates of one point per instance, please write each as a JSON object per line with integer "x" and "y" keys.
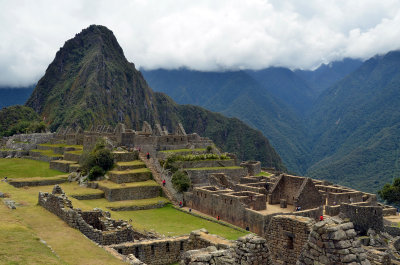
{"x": 231, "y": 201}
{"x": 289, "y": 242}
{"x": 181, "y": 245}
{"x": 137, "y": 252}
{"x": 120, "y": 250}
{"x": 167, "y": 246}
{"x": 205, "y": 195}
{"x": 152, "y": 249}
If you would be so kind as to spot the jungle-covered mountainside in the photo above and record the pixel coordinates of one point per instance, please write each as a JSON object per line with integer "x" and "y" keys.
{"x": 91, "y": 82}
{"x": 19, "y": 119}
{"x": 239, "y": 94}
{"x": 356, "y": 126}
{"x": 338, "y": 122}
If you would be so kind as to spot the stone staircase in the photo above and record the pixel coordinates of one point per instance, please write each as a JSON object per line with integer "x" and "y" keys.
{"x": 159, "y": 176}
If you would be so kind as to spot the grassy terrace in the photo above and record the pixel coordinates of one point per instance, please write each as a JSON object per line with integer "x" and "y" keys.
{"x": 131, "y": 163}
{"x": 183, "y": 150}
{"x": 113, "y": 185}
{"x": 131, "y": 171}
{"x": 213, "y": 168}
{"x": 26, "y": 168}
{"x": 48, "y": 153}
{"x": 62, "y": 145}
{"x": 104, "y": 204}
{"x": 76, "y": 152}
{"x": 262, "y": 173}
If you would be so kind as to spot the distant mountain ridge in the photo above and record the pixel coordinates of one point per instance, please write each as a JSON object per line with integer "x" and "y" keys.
{"x": 14, "y": 96}
{"x": 91, "y": 82}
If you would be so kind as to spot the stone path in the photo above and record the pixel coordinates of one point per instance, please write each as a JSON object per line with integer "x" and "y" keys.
{"x": 158, "y": 176}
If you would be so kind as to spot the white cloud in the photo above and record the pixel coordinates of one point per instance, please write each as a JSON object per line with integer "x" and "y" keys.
{"x": 202, "y": 35}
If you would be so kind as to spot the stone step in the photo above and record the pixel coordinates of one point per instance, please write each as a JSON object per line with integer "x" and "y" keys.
{"x": 62, "y": 165}
{"x": 129, "y": 191}
{"x": 130, "y": 165}
{"x": 124, "y": 156}
{"x": 132, "y": 175}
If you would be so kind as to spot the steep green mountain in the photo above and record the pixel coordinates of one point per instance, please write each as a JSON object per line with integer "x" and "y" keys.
{"x": 14, "y": 96}
{"x": 238, "y": 94}
{"x": 327, "y": 75}
{"x": 91, "y": 82}
{"x": 356, "y": 126}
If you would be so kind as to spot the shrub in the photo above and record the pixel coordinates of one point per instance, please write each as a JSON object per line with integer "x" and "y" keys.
{"x": 209, "y": 149}
{"x": 181, "y": 181}
{"x": 98, "y": 158}
{"x": 96, "y": 172}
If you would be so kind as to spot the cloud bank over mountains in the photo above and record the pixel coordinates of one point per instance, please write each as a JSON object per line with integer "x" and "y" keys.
{"x": 200, "y": 35}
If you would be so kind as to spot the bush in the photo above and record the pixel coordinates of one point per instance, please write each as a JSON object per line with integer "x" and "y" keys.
{"x": 181, "y": 181}
{"x": 95, "y": 172}
{"x": 98, "y": 158}
{"x": 209, "y": 149}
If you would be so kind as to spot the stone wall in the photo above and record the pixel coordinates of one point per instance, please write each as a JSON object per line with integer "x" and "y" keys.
{"x": 286, "y": 236}
{"x": 28, "y": 141}
{"x": 200, "y": 177}
{"x": 253, "y": 167}
{"x": 332, "y": 241}
{"x": 363, "y": 217}
{"x": 297, "y": 191}
{"x": 344, "y": 197}
{"x": 130, "y": 193}
{"x": 205, "y": 163}
{"x": 96, "y": 225}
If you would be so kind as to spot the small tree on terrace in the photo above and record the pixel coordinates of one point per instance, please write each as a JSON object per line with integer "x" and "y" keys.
{"x": 391, "y": 192}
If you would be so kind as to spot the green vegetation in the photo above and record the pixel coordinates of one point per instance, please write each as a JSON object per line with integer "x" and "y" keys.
{"x": 391, "y": 192}
{"x": 171, "y": 222}
{"x": 105, "y": 204}
{"x": 263, "y": 173}
{"x": 19, "y": 119}
{"x": 80, "y": 147}
{"x": 213, "y": 168}
{"x": 49, "y": 153}
{"x": 180, "y": 181}
{"x": 98, "y": 161}
{"x": 184, "y": 150}
{"x": 113, "y": 185}
{"x": 25, "y": 168}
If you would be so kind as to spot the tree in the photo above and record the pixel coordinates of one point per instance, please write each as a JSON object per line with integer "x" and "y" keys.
{"x": 181, "y": 181}
{"x": 98, "y": 161}
{"x": 391, "y": 192}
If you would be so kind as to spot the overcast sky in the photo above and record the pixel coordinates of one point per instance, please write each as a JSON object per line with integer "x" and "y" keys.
{"x": 201, "y": 35}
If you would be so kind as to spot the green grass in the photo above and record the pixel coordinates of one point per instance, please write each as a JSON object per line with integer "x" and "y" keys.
{"x": 131, "y": 171}
{"x": 213, "y": 168}
{"x": 25, "y": 168}
{"x": 61, "y": 177}
{"x": 76, "y": 152}
{"x": 62, "y": 145}
{"x": 20, "y": 245}
{"x": 131, "y": 163}
{"x": 184, "y": 150}
{"x": 104, "y": 204}
{"x": 113, "y": 185}
{"x": 262, "y": 173}
{"x": 171, "y": 222}
{"x": 49, "y": 153}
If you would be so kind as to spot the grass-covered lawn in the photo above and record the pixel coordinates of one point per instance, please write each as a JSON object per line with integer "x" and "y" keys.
{"x": 263, "y": 173}
{"x": 76, "y": 152}
{"x": 213, "y": 168}
{"x": 171, "y": 222}
{"x": 184, "y": 150}
{"x": 21, "y": 245}
{"x": 25, "y": 168}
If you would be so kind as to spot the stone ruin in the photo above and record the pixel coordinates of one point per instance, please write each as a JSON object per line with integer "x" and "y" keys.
{"x": 96, "y": 225}
{"x": 148, "y": 139}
